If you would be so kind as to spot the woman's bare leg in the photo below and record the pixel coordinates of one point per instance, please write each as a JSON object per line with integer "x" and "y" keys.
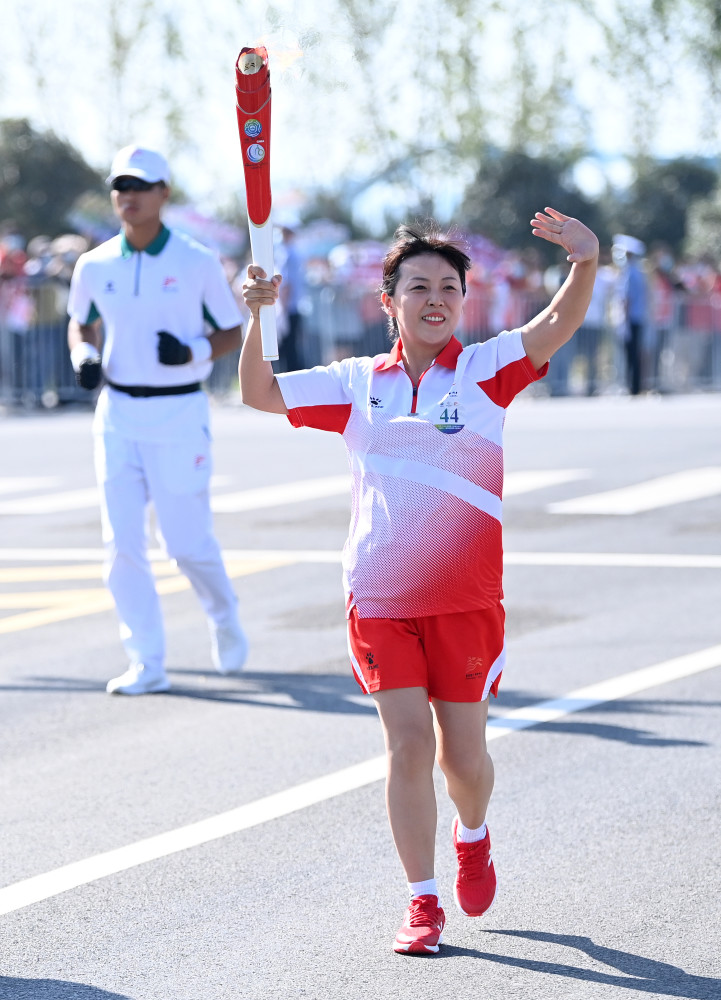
{"x": 407, "y": 723}
{"x": 463, "y": 757}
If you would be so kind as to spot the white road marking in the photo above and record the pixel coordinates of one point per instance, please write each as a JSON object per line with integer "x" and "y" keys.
{"x": 41, "y": 887}
{"x": 620, "y": 560}
{"x": 158, "y": 555}
{"x": 313, "y": 489}
{"x": 525, "y": 482}
{"x": 244, "y": 500}
{"x": 19, "y": 484}
{"x": 224, "y": 503}
{"x": 680, "y": 487}
{"x": 283, "y": 493}
{"x": 40, "y": 608}
{"x": 52, "y": 503}
{"x": 48, "y": 607}
{"x": 56, "y": 503}
{"x": 52, "y": 555}
{"x": 609, "y": 690}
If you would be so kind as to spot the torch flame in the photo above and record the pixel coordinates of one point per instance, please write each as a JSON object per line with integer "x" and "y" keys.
{"x": 280, "y": 57}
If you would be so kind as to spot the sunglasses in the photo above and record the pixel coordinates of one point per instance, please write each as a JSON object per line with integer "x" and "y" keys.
{"x": 132, "y": 184}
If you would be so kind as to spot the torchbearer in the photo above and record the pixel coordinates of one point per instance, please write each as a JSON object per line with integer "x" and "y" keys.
{"x": 253, "y": 108}
{"x": 423, "y": 425}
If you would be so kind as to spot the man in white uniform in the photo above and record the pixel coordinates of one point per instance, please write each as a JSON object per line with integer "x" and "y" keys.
{"x": 154, "y": 292}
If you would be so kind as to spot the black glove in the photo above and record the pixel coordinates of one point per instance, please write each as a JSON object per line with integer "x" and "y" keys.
{"x": 172, "y": 351}
{"x": 89, "y": 374}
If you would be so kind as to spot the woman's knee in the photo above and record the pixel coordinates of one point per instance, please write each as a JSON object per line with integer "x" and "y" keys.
{"x": 466, "y": 768}
{"x": 411, "y": 747}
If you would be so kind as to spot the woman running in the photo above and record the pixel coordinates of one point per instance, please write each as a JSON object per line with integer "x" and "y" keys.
{"x": 422, "y": 565}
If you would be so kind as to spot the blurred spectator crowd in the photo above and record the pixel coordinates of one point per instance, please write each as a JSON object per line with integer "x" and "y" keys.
{"x": 654, "y": 324}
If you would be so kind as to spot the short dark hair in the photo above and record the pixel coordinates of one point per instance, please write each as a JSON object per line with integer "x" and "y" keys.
{"x": 422, "y": 238}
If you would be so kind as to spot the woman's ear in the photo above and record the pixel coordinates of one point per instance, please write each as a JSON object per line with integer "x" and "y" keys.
{"x": 387, "y": 303}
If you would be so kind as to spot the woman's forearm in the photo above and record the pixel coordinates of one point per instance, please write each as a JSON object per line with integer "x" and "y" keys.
{"x": 258, "y": 385}
{"x": 556, "y": 324}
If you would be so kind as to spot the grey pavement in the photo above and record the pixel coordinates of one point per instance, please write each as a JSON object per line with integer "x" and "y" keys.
{"x": 604, "y": 822}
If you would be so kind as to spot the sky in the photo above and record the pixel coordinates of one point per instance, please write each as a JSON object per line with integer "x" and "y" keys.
{"x": 52, "y": 72}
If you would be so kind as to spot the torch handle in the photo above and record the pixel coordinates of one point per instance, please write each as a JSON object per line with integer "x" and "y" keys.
{"x": 261, "y": 248}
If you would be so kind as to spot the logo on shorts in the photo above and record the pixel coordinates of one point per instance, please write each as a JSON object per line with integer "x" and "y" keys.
{"x": 474, "y": 668}
{"x": 375, "y": 402}
{"x": 371, "y": 662}
{"x": 199, "y": 462}
{"x": 109, "y": 286}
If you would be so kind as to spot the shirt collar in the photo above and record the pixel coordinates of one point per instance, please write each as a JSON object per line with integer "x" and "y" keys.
{"x": 153, "y": 248}
{"x": 448, "y": 356}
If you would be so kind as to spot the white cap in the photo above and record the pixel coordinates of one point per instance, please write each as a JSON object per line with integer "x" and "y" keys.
{"x": 134, "y": 161}
{"x": 629, "y": 244}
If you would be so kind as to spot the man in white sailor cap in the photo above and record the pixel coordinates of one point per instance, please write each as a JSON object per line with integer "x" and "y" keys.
{"x": 150, "y": 310}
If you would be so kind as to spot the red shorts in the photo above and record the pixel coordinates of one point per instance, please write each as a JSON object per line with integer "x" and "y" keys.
{"x": 455, "y": 657}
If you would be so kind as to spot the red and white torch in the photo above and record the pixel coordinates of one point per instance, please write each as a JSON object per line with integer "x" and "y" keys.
{"x": 252, "y": 88}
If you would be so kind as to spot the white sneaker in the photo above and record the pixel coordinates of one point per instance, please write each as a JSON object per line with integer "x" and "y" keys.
{"x": 139, "y": 679}
{"x": 228, "y": 648}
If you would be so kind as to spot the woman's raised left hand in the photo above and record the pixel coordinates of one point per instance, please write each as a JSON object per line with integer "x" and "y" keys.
{"x": 575, "y": 238}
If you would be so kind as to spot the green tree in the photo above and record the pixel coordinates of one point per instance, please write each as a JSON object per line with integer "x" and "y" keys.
{"x": 703, "y": 229}
{"x": 40, "y": 178}
{"x": 656, "y": 206}
{"x": 334, "y": 206}
{"x": 437, "y": 83}
{"x": 511, "y": 187}
{"x": 647, "y": 42}
{"x": 130, "y": 56}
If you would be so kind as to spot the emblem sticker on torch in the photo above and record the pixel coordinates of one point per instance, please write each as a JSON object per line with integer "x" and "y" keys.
{"x": 256, "y": 153}
{"x": 253, "y": 93}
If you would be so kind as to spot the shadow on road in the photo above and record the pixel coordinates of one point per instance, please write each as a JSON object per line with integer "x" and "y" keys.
{"x": 304, "y": 692}
{"x": 645, "y": 975}
{"x": 508, "y": 701}
{"x": 296, "y": 692}
{"x": 621, "y": 734}
{"x": 511, "y": 698}
{"x": 338, "y": 693}
{"x": 52, "y": 989}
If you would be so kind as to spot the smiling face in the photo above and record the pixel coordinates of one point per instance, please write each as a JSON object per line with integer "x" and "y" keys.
{"x": 427, "y": 302}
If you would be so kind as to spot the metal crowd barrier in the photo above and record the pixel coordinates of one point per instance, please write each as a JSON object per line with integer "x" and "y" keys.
{"x": 681, "y": 355}
{"x": 35, "y": 370}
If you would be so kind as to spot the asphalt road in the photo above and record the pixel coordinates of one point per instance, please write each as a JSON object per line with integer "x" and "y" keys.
{"x": 604, "y": 820}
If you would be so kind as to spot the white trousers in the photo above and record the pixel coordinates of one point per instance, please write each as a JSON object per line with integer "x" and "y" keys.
{"x": 175, "y": 478}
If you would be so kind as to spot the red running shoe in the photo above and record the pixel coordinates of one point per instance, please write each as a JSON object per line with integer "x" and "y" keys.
{"x": 420, "y": 933}
{"x": 475, "y": 888}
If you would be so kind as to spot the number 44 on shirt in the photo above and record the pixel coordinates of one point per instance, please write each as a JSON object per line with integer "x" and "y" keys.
{"x": 449, "y": 419}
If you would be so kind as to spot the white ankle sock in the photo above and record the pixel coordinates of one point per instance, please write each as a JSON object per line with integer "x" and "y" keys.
{"x": 427, "y": 888}
{"x": 467, "y": 836}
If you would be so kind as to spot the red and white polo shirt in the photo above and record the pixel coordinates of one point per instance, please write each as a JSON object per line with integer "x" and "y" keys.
{"x": 427, "y": 470}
